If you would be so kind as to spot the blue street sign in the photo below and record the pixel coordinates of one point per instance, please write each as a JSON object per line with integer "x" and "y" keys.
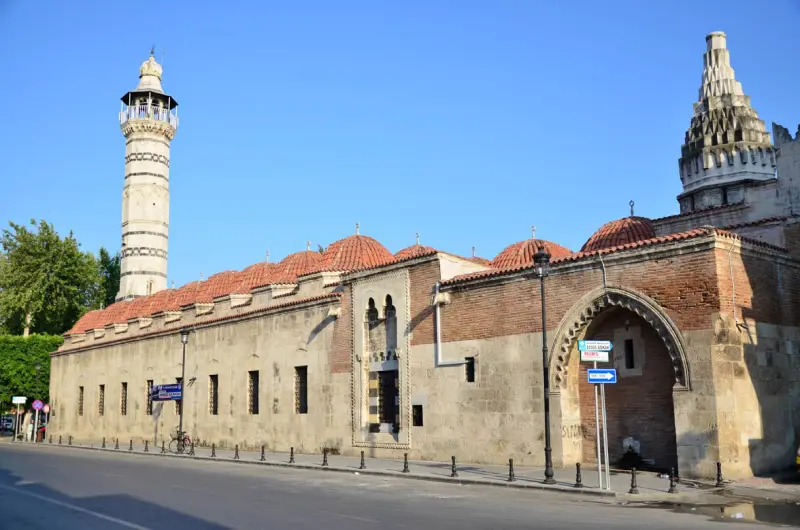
{"x": 602, "y": 376}
{"x": 594, "y": 345}
{"x": 166, "y": 392}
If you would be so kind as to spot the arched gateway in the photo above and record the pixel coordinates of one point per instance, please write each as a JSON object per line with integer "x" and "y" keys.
{"x": 651, "y": 365}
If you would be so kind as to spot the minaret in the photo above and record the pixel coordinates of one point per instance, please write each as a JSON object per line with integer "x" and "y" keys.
{"x": 148, "y": 121}
{"x": 727, "y": 146}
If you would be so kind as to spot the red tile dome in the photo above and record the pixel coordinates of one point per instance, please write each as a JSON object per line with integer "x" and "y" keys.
{"x": 414, "y": 251}
{"x": 354, "y": 253}
{"x": 620, "y": 232}
{"x": 289, "y": 268}
{"x": 521, "y": 254}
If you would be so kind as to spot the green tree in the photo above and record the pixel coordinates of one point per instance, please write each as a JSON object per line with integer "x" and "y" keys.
{"x": 109, "y": 275}
{"x": 25, "y": 367}
{"x": 46, "y": 283}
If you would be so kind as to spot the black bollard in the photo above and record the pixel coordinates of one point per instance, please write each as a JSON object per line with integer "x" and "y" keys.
{"x": 191, "y": 448}
{"x": 291, "y": 455}
{"x": 116, "y": 444}
{"x": 263, "y": 456}
{"x": 104, "y": 443}
{"x": 672, "y": 481}
{"x": 236, "y": 452}
{"x": 163, "y": 447}
{"x": 130, "y": 447}
{"x": 70, "y": 440}
{"x": 51, "y": 439}
{"x": 146, "y": 450}
{"x": 363, "y": 464}
{"x": 325, "y": 457}
{"x": 405, "y": 463}
{"x": 59, "y": 439}
{"x": 634, "y": 488}
{"x": 719, "y": 483}
{"x": 578, "y": 477}
{"x": 511, "y": 476}
{"x": 213, "y": 451}
{"x": 453, "y": 472}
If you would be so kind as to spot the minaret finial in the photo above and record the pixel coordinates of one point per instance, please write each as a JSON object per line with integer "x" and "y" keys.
{"x": 153, "y": 51}
{"x": 533, "y": 232}
{"x": 417, "y": 238}
{"x": 631, "y": 203}
{"x": 356, "y": 228}
{"x": 473, "y": 252}
{"x": 308, "y": 245}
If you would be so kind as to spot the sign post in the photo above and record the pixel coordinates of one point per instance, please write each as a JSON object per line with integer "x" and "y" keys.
{"x": 595, "y": 351}
{"x": 46, "y": 411}
{"x": 37, "y": 406}
{"x": 17, "y": 400}
{"x": 603, "y": 377}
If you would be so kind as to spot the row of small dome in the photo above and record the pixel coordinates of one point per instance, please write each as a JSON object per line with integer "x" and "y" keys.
{"x": 356, "y": 252}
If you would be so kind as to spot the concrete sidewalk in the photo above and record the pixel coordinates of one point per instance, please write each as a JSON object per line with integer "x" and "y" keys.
{"x": 652, "y": 488}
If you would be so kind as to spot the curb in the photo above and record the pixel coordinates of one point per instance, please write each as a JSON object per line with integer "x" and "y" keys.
{"x": 396, "y": 474}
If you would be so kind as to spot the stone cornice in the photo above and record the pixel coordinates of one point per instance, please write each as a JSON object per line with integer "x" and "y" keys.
{"x": 229, "y": 319}
{"x": 149, "y": 126}
{"x": 389, "y": 267}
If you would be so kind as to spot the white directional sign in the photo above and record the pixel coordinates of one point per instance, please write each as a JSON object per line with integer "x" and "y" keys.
{"x": 595, "y": 356}
{"x": 19, "y": 400}
{"x": 594, "y": 345}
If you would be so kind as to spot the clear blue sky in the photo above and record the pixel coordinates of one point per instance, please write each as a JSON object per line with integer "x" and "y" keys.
{"x": 465, "y": 120}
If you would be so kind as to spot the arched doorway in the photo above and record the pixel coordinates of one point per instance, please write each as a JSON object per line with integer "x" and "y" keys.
{"x": 652, "y": 373}
{"x": 640, "y": 410}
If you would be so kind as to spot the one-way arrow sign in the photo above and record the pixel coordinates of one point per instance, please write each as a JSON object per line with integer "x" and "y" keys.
{"x": 602, "y": 376}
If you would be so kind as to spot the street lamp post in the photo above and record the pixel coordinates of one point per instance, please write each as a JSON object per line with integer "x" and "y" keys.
{"x": 542, "y": 261}
{"x": 184, "y": 341}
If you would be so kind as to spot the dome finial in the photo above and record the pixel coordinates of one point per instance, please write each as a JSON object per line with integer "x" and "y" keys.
{"x": 631, "y": 205}
{"x": 267, "y": 257}
{"x": 308, "y": 245}
{"x": 417, "y": 238}
{"x": 473, "y": 252}
{"x": 357, "y": 228}
{"x": 533, "y": 232}
{"x": 173, "y": 284}
{"x": 153, "y": 51}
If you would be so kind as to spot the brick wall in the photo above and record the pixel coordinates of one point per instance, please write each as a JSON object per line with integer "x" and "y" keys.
{"x": 684, "y": 285}
{"x": 342, "y": 345}
{"x": 422, "y": 279}
{"x": 639, "y": 406}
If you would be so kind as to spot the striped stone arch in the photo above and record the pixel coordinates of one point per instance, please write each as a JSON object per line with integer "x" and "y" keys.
{"x": 592, "y": 305}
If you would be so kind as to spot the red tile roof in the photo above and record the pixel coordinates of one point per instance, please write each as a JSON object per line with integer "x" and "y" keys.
{"x": 294, "y": 265}
{"x": 698, "y": 212}
{"x": 254, "y": 276}
{"x": 354, "y": 253}
{"x": 480, "y": 261}
{"x": 521, "y": 254}
{"x": 414, "y": 251}
{"x": 620, "y": 232}
{"x": 218, "y": 285}
{"x": 578, "y": 256}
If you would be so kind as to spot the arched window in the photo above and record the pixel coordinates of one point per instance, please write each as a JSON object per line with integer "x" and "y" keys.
{"x": 372, "y": 311}
{"x": 391, "y": 325}
{"x": 149, "y": 287}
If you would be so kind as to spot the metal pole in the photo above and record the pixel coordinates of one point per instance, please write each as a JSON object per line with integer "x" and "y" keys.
{"x": 548, "y": 457}
{"x": 16, "y": 424}
{"x": 183, "y": 377}
{"x": 36, "y": 426}
{"x": 605, "y": 435}
{"x": 597, "y": 436}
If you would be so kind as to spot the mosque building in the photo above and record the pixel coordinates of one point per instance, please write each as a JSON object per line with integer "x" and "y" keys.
{"x": 435, "y": 354}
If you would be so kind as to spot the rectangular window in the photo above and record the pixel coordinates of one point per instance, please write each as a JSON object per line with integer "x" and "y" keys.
{"x": 301, "y": 389}
{"x": 123, "y": 399}
{"x": 388, "y": 396}
{"x": 213, "y": 394}
{"x": 252, "y": 392}
{"x": 179, "y": 402}
{"x": 470, "y": 367}
{"x": 101, "y": 401}
{"x": 149, "y": 397}
{"x": 416, "y": 413}
{"x": 629, "y": 359}
{"x": 80, "y": 401}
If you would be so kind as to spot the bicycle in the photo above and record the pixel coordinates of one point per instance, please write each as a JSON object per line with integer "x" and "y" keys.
{"x": 179, "y": 441}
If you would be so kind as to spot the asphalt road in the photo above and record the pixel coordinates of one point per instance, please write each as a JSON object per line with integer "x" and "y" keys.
{"x": 69, "y": 489}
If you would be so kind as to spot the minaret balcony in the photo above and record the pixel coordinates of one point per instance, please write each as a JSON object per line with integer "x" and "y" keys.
{"x": 148, "y": 112}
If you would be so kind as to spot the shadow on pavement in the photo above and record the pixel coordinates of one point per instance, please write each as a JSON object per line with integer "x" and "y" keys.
{"x": 122, "y": 507}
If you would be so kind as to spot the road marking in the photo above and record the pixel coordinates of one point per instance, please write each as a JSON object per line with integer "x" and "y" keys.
{"x": 362, "y": 519}
{"x": 73, "y": 507}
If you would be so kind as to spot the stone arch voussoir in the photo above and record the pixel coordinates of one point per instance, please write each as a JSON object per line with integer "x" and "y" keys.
{"x": 592, "y": 305}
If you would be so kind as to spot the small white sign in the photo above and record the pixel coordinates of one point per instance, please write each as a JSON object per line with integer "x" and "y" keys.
{"x": 19, "y": 400}
{"x": 594, "y": 345}
{"x": 595, "y": 356}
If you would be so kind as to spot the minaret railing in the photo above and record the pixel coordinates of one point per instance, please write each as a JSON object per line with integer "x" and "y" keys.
{"x": 148, "y": 112}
